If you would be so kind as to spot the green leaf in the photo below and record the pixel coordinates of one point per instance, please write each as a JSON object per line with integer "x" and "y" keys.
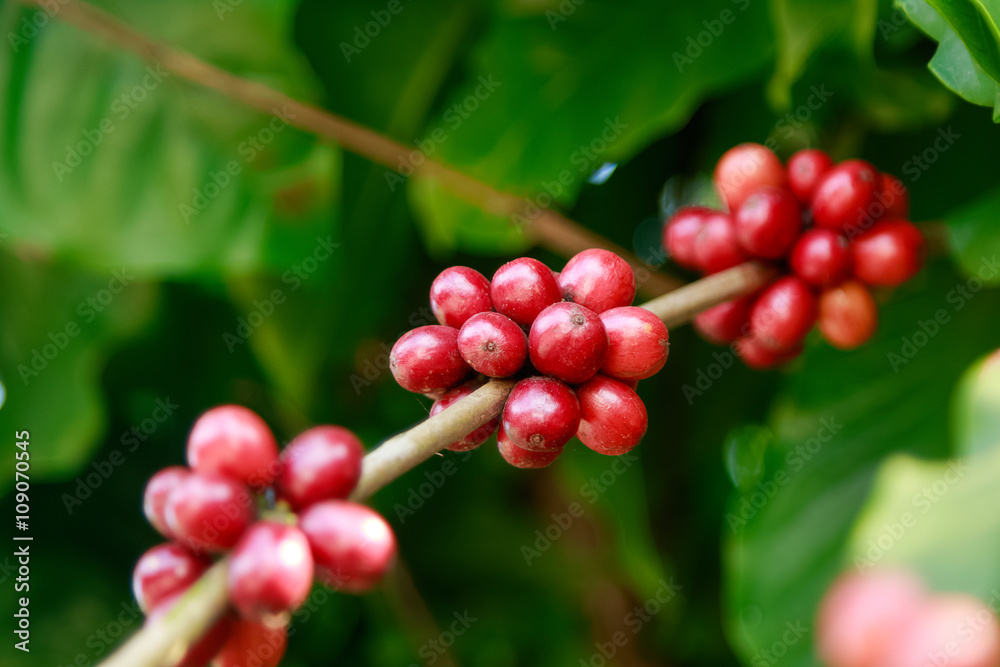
{"x": 975, "y": 237}
{"x": 977, "y": 408}
{"x": 976, "y": 24}
{"x": 744, "y": 455}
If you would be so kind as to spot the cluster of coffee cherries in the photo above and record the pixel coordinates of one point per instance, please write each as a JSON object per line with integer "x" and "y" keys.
{"x": 572, "y": 339}
{"x": 886, "y": 618}
{"x": 212, "y": 507}
{"x": 834, "y": 231}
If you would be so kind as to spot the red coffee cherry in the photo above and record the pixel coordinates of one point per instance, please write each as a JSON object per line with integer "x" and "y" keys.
{"x": 541, "y": 415}
{"x": 427, "y": 359}
{"x": 744, "y": 168}
{"x": 597, "y": 279}
{"x": 154, "y": 500}
{"x": 523, "y": 288}
{"x": 726, "y": 322}
{"x": 889, "y": 254}
{"x": 477, "y": 437}
{"x": 805, "y": 170}
{"x": 201, "y": 651}
{"x": 524, "y": 458}
{"x": 164, "y": 571}
{"x": 845, "y": 194}
{"x": 352, "y": 546}
{"x": 233, "y": 441}
{"x": 893, "y": 196}
{"x": 822, "y": 257}
{"x": 952, "y": 629}
{"x": 568, "y": 342}
{"x": 209, "y": 512}
{"x": 760, "y": 357}
{"x": 848, "y": 315}
{"x": 253, "y": 644}
{"x": 784, "y": 313}
{"x": 493, "y": 344}
{"x": 270, "y": 571}
{"x": 716, "y": 248}
{"x": 681, "y": 233}
{"x": 319, "y": 464}
{"x": 638, "y": 343}
{"x": 768, "y": 222}
{"x": 612, "y": 417}
{"x": 457, "y": 294}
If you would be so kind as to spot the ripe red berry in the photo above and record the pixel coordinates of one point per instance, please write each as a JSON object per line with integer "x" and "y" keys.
{"x": 893, "y": 196}
{"x": 523, "y": 288}
{"x": 848, "y": 315}
{"x": 164, "y": 571}
{"x": 638, "y": 343}
{"x": 612, "y": 417}
{"x": 757, "y": 355}
{"x": 716, "y": 248}
{"x": 209, "y": 512}
{"x": 541, "y": 415}
{"x": 154, "y": 500}
{"x": 233, "y": 441}
{"x": 252, "y": 644}
{"x": 202, "y": 650}
{"x": 493, "y": 344}
{"x": 768, "y": 222}
{"x": 597, "y": 279}
{"x": 952, "y": 629}
{"x": 568, "y": 342}
{"x": 477, "y": 437}
{"x": 427, "y": 359}
{"x": 889, "y": 254}
{"x": 822, "y": 257}
{"x": 805, "y": 170}
{"x": 457, "y": 294}
{"x": 726, "y": 322}
{"x": 784, "y": 313}
{"x": 321, "y": 463}
{"x": 681, "y": 234}
{"x": 352, "y": 546}
{"x": 270, "y": 571}
{"x": 524, "y": 458}
{"x": 844, "y": 196}
{"x": 744, "y": 168}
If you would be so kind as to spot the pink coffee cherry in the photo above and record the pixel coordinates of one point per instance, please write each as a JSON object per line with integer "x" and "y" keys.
{"x": 352, "y": 545}
{"x": 233, "y": 441}
{"x": 270, "y": 571}
{"x": 477, "y": 437}
{"x": 681, "y": 233}
{"x": 717, "y": 248}
{"x": 612, "y": 417}
{"x": 427, "y": 360}
{"x": 523, "y": 288}
{"x": 493, "y": 344}
{"x": 319, "y": 464}
{"x": 805, "y": 171}
{"x": 154, "y": 500}
{"x": 768, "y": 222}
{"x": 597, "y": 279}
{"x": 204, "y": 649}
{"x": 744, "y": 168}
{"x": 253, "y": 644}
{"x": 568, "y": 342}
{"x": 524, "y": 458}
{"x": 844, "y": 196}
{"x": 541, "y": 415}
{"x": 209, "y": 512}
{"x": 638, "y": 343}
{"x": 893, "y": 196}
{"x": 164, "y": 571}
{"x": 784, "y": 313}
{"x": 457, "y": 294}
{"x": 848, "y": 315}
{"x": 888, "y": 254}
{"x": 822, "y": 257}
{"x": 952, "y": 629}
{"x": 726, "y": 322}
{"x": 761, "y": 357}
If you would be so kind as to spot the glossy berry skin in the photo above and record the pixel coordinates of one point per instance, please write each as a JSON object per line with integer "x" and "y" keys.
{"x": 493, "y": 344}
{"x": 805, "y": 170}
{"x": 541, "y": 415}
{"x": 848, "y": 315}
{"x": 352, "y": 545}
{"x": 844, "y": 196}
{"x": 209, "y": 512}
{"x": 252, "y": 644}
{"x": 784, "y": 313}
{"x": 893, "y": 196}
{"x": 716, "y": 248}
{"x": 477, "y": 437}
{"x": 822, "y": 257}
{"x": 638, "y": 343}
{"x": 889, "y": 254}
{"x": 523, "y": 288}
{"x": 524, "y": 458}
{"x": 952, "y": 629}
{"x": 201, "y": 651}
{"x": 457, "y": 294}
{"x": 744, "y": 168}
{"x": 681, "y": 233}
{"x": 164, "y": 571}
{"x": 768, "y": 222}
{"x": 568, "y": 342}
{"x": 154, "y": 499}
{"x": 233, "y": 441}
{"x": 319, "y": 464}
{"x": 270, "y": 571}
{"x": 427, "y": 359}
{"x": 597, "y": 279}
{"x": 760, "y": 357}
{"x": 612, "y": 416}
{"x": 726, "y": 322}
